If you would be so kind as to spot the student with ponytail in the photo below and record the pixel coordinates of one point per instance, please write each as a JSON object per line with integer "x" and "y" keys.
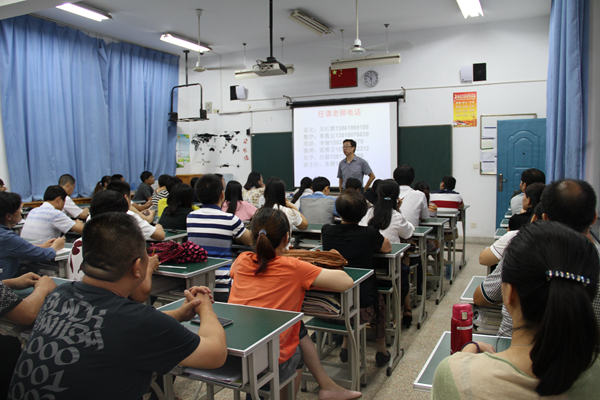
{"x": 386, "y": 217}
{"x": 265, "y": 278}
{"x": 549, "y": 278}
{"x": 304, "y": 190}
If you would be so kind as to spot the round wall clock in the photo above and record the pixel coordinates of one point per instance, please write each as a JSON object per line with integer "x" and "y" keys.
{"x": 371, "y": 78}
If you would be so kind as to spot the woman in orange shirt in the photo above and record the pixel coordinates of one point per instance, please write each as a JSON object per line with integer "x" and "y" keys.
{"x": 265, "y": 278}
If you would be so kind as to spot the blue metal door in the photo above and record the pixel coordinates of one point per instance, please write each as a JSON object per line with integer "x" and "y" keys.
{"x": 521, "y": 145}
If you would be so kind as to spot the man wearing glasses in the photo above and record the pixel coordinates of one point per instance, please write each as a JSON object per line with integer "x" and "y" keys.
{"x": 353, "y": 166}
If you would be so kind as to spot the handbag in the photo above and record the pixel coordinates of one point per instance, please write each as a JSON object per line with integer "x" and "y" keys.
{"x": 187, "y": 252}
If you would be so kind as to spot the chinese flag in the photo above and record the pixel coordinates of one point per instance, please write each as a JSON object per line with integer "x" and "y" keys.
{"x": 340, "y": 78}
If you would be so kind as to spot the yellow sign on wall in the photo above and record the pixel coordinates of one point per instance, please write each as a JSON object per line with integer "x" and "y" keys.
{"x": 465, "y": 109}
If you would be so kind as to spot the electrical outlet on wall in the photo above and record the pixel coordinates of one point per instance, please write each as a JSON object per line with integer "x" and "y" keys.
{"x": 473, "y": 225}
{"x": 208, "y": 105}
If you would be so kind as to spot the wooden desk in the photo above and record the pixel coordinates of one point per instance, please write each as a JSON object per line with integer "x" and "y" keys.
{"x": 438, "y": 225}
{"x": 421, "y": 234}
{"x": 467, "y": 296}
{"x": 174, "y": 235}
{"x": 350, "y": 309}
{"x": 499, "y": 233}
{"x": 424, "y": 380}
{"x": 252, "y": 348}
{"x": 195, "y": 274}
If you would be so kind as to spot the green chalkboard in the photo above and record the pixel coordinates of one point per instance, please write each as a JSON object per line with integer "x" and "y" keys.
{"x": 273, "y": 155}
{"x": 428, "y": 149}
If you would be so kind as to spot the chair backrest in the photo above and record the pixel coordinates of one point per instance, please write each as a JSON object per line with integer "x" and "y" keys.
{"x": 317, "y": 211}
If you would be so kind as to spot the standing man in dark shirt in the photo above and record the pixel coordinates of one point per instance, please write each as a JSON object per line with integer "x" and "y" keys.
{"x": 353, "y": 166}
{"x": 90, "y": 342}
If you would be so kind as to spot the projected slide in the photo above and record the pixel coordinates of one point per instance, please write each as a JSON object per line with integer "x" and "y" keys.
{"x": 320, "y": 131}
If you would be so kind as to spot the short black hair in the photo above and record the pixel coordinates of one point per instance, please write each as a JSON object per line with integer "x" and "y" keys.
{"x": 570, "y": 201}
{"x": 120, "y": 186}
{"x": 108, "y": 201}
{"x": 111, "y": 243}
{"x": 9, "y": 204}
{"x": 320, "y": 183}
{"x": 532, "y": 175}
{"x": 171, "y": 182}
{"x": 534, "y": 193}
{"x": 116, "y": 177}
{"x": 209, "y": 188}
{"x": 404, "y": 175}
{"x": 193, "y": 181}
{"x": 54, "y": 191}
{"x": 66, "y": 178}
{"x": 352, "y": 206}
{"x": 353, "y": 183}
{"x": 449, "y": 182}
{"x": 145, "y": 175}
{"x": 352, "y": 142}
{"x": 163, "y": 179}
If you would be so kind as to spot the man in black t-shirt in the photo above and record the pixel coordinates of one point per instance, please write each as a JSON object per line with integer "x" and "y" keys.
{"x": 90, "y": 342}
{"x": 357, "y": 244}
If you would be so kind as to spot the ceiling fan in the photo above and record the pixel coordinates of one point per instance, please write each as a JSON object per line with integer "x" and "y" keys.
{"x": 270, "y": 67}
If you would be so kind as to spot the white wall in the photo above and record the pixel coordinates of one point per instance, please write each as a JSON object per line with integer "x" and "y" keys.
{"x": 516, "y": 53}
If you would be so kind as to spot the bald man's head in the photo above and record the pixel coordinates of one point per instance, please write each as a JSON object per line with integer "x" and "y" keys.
{"x": 572, "y": 202}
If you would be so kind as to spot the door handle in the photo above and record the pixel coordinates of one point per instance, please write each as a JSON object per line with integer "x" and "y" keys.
{"x": 501, "y": 181}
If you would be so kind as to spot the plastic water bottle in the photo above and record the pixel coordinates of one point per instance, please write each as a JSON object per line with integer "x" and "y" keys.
{"x": 461, "y": 330}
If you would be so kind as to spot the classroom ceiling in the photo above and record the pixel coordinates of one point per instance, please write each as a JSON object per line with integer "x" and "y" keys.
{"x": 225, "y": 24}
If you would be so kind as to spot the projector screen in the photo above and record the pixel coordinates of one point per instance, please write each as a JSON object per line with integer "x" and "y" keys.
{"x": 319, "y": 133}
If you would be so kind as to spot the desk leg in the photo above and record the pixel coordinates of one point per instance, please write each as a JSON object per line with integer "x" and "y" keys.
{"x": 453, "y": 242}
{"x": 463, "y": 217}
{"x": 168, "y": 386}
{"x": 397, "y": 352}
{"x": 62, "y": 268}
{"x": 441, "y": 266}
{"x": 272, "y": 376}
{"x": 423, "y": 250}
{"x": 353, "y": 329}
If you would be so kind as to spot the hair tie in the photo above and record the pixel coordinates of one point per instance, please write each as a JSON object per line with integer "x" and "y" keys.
{"x": 262, "y": 232}
{"x": 387, "y": 198}
{"x": 567, "y": 275}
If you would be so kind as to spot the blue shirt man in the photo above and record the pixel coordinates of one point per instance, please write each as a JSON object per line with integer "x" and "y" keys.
{"x": 353, "y": 166}
{"x": 317, "y": 211}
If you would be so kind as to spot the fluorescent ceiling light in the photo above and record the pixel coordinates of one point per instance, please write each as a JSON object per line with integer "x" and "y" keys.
{"x": 368, "y": 61}
{"x": 85, "y": 11}
{"x": 470, "y": 8}
{"x": 309, "y": 23}
{"x": 185, "y": 43}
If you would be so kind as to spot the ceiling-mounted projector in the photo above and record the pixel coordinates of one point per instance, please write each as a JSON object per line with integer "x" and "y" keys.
{"x": 269, "y": 68}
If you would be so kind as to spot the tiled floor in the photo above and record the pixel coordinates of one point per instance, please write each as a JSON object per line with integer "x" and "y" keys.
{"x": 417, "y": 344}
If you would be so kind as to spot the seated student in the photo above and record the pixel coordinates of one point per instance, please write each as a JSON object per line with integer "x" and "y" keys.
{"x": 213, "y": 229}
{"x": 235, "y": 204}
{"x": 254, "y": 188}
{"x": 265, "y": 278}
{"x": 150, "y": 232}
{"x": 144, "y": 191}
{"x": 67, "y": 182}
{"x": 314, "y": 208}
{"x": 549, "y": 278}
{"x": 47, "y": 221}
{"x": 371, "y": 193}
{"x": 393, "y": 226}
{"x": 13, "y": 248}
{"x": 304, "y": 190}
{"x": 570, "y": 202}
{"x": 21, "y": 311}
{"x": 117, "y": 177}
{"x": 162, "y": 203}
{"x": 414, "y": 203}
{"x": 446, "y": 199}
{"x": 275, "y": 198}
{"x": 2, "y": 187}
{"x": 423, "y": 186}
{"x": 104, "y": 202}
{"x": 179, "y": 205}
{"x": 357, "y": 244}
{"x": 529, "y": 176}
{"x": 101, "y": 185}
{"x": 531, "y": 198}
{"x": 161, "y": 192}
{"x": 126, "y": 342}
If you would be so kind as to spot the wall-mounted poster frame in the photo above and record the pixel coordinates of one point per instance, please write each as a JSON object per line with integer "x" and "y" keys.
{"x": 488, "y": 140}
